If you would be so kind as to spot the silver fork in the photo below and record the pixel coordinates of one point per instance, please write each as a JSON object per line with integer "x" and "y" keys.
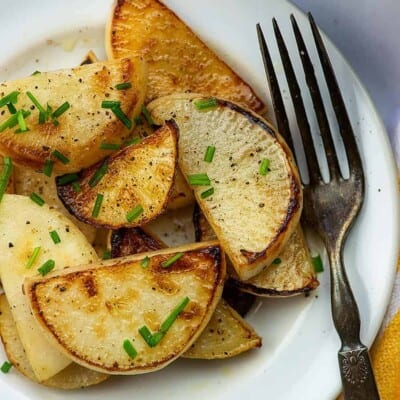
{"x": 329, "y": 208}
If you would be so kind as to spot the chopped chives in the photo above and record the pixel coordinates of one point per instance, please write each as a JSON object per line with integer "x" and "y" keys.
{"x": 128, "y": 347}
{"x": 5, "y": 175}
{"x": 35, "y": 73}
{"x": 38, "y": 105}
{"x": 172, "y": 260}
{"x": 97, "y": 205}
{"x": 98, "y": 175}
{"x": 147, "y": 116}
{"x": 110, "y": 146}
{"x": 33, "y": 257}
{"x": 45, "y": 268}
{"x": 54, "y": 236}
{"x": 133, "y": 141}
{"x": 123, "y": 86}
{"x": 5, "y": 368}
{"x": 36, "y": 199}
{"x": 122, "y": 116}
{"x": 134, "y": 213}
{"x": 207, "y": 193}
{"x": 277, "y": 261}
{"x": 9, "y": 98}
{"x": 42, "y": 118}
{"x": 13, "y": 120}
{"x": 146, "y": 335}
{"x": 174, "y": 315}
{"x": 76, "y": 186}
{"x": 110, "y": 104}
{"x": 55, "y": 122}
{"x": 106, "y": 254}
{"x": 206, "y": 104}
{"x": 317, "y": 263}
{"x": 154, "y": 339}
{"x": 48, "y": 167}
{"x": 208, "y": 157}
{"x": 21, "y": 122}
{"x": 264, "y": 166}
{"x": 199, "y": 180}
{"x": 67, "y": 178}
{"x": 61, "y": 110}
{"x": 60, "y": 156}
{"x": 11, "y": 108}
{"x": 145, "y": 262}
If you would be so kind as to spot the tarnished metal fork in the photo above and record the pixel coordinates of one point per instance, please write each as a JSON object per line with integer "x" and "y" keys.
{"x": 329, "y": 208}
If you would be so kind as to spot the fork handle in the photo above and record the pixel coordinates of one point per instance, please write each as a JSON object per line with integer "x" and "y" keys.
{"x": 355, "y": 365}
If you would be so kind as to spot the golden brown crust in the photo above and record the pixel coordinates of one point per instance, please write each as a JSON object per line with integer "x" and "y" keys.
{"x": 138, "y": 175}
{"x": 99, "y": 291}
{"x": 178, "y": 61}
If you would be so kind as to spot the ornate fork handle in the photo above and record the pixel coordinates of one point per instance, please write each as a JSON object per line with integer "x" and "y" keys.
{"x": 354, "y": 361}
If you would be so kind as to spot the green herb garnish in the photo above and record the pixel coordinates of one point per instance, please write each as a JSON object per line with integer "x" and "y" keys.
{"x": 48, "y": 167}
{"x": 317, "y": 263}
{"x": 122, "y": 116}
{"x": 45, "y": 268}
{"x": 33, "y": 257}
{"x": 206, "y": 104}
{"x": 13, "y": 120}
{"x": 98, "y": 175}
{"x": 35, "y": 73}
{"x": 60, "y": 157}
{"x": 207, "y": 193}
{"x": 123, "y": 86}
{"x": 38, "y": 105}
{"x": 11, "y": 108}
{"x": 5, "y": 175}
{"x": 134, "y": 213}
{"x": 97, "y": 205}
{"x": 106, "y": 254}
{"x": 36, "y": 199}
{"x": 199, "y": 180}
{"x": 76, "y": 186}
{"x": 54, "y": 236}
{"x": 208, "y": 157}
{"x": 61, "y": 110}
{"x": 67, "y": 178}
{"x": 110, "y": 104}
{"x": 172, "y": 260}
{"x": 9, "y": 98}
{"x": 277, "y": 261}
{"x": 128, "y": 347}
{"x": 110, "y": 146}
{"x": 146, "y": 114}
{"x": 5, "y": 368}
{"x": 145, "y": 262}
{"x": 133, "y": 141}
{"x": 264, "y": 166}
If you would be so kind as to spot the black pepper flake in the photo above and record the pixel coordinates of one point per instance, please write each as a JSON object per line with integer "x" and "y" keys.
{"x": 261, "y": 205}
{"x": 10, "y": 244}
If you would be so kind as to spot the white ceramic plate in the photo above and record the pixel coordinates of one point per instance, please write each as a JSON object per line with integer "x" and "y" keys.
{"x": 298, "y": 358}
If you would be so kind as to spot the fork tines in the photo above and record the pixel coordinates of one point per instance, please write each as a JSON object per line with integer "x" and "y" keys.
{"x": 343, "y": 120}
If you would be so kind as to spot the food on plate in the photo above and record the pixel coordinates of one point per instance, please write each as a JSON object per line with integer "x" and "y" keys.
{"x": 242, "y": 173}
{"x": 226, "y": 335}
{"x": 63, "y": 117}
{"x": 177, "y": 59}
{"x": 35, "y": 239}
{"x": 291, "y": 273}
{"x": 72, "y": 377}
{"x": 134, "y": 314}
{"x": 129, "y": 188}
{"x": 28, "y": 180}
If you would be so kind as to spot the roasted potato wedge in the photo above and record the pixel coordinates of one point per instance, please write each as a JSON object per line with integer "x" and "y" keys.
{"x": 72, "y": 377}
{"x": 178, "y": 61}
{"x": 136, "y": 183}
{"x": 291, "y": 273}
{"x": 253, "y": 213}
{"x": 28, "y": 181}
{"x": 78, "y": 131}
{"x": 24, "y": 227}
{"x": 88, "y": 312}
{"x": 226, "y": 335}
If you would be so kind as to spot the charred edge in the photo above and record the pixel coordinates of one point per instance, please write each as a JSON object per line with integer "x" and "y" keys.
{"x": 90, "y": 285}
{"x": 253, "y": 118}
{"x": 258, "y": 291}
{"x": 239, "y": 300}
{"x": 293, "y": 206}
{"x": 128, "y": 241}
{"x": 198, "y": 234}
